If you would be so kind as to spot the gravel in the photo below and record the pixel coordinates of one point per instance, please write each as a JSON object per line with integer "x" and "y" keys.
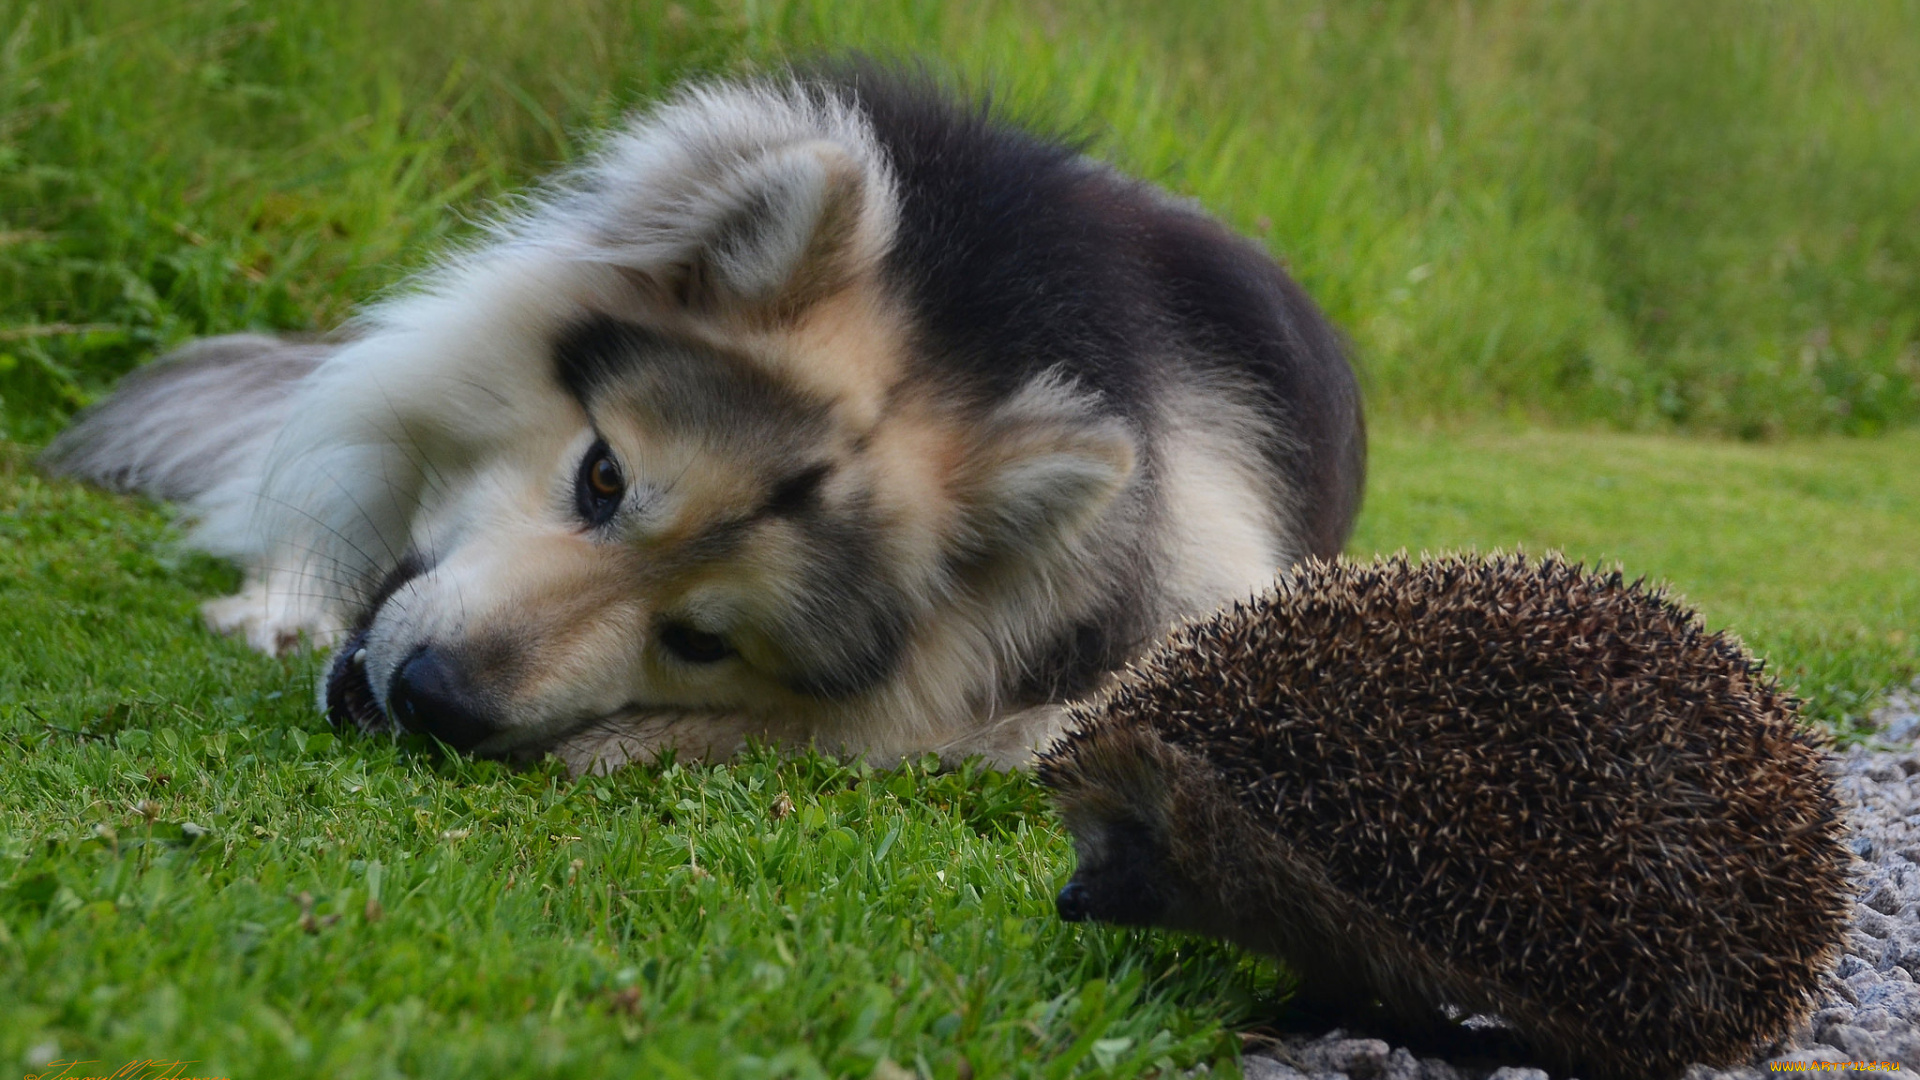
{"x": 1870, "y": 1004}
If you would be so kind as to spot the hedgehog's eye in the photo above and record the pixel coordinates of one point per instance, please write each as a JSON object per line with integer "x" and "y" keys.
{"x": 599, "y": 487}
{"x": 693, "y": 646}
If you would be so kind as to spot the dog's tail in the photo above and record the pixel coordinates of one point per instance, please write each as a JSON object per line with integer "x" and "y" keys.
{"x": 194, "y": 420}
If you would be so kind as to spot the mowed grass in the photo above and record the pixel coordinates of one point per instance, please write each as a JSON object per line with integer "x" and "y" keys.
{"x": 193, "y": 865}
{"x": 353, "y": 907}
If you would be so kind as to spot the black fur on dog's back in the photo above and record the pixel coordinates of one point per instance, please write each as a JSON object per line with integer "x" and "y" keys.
{"x": 1021, "y": 255}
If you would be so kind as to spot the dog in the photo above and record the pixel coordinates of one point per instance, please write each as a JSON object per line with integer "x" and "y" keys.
{"x": 823, "y": 408}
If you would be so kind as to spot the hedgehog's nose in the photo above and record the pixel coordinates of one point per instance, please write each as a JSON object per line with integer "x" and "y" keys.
{"x": 1073, "y": 902}
{"x": 431, "y": 695}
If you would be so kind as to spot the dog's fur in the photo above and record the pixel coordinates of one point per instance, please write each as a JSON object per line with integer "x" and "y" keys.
{"x": 921, "y": 424}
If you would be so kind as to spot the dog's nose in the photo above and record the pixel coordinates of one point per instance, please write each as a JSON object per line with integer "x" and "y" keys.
{"x": 432, "y": 696}
{"x": 1072, "y": 902}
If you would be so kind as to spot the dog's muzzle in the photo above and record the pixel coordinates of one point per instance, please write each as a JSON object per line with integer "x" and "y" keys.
{"x": 350, "y": 697}
{"x": 430, "y": 695}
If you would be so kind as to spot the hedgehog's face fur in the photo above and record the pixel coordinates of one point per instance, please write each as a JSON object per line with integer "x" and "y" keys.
{"x": 1125, "y": 875}
{"x": 1120, "y": 796}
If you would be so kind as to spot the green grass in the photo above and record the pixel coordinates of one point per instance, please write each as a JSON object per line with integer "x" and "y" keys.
{"x": 796, "y": 918}
{"x": 664, "y": 919}
{"x": 1701, "y": 218}
{"x": 1809, "y": 550}
{"x": 1639, "y": 214}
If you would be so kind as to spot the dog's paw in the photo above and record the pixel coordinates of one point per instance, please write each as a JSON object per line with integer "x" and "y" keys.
{"x": 642, "y": 738}
{"x": 273, "y": 621}
{"x": 1009, "y": 741}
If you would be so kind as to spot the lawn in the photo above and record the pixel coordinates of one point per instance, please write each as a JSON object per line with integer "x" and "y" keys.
{"x": 1635, "y": 282}
{"x": 346, "y": 906}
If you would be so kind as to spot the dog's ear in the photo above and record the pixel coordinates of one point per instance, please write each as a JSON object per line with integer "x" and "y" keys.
{"x": 190, "y": 421}
{"x": 767, "y": 236}
{"x": 1044, "y": 470}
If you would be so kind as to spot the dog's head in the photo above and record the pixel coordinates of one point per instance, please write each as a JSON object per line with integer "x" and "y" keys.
{"x": 668, "y": 447}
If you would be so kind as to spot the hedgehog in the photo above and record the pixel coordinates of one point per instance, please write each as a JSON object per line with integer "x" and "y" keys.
{"x": 1473, "y": 785}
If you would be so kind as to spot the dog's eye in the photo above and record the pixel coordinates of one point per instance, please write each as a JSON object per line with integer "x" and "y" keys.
{"x": 693, "y": 646}
{"x": 600, "y": 485}
{"x": 604, "y": 478}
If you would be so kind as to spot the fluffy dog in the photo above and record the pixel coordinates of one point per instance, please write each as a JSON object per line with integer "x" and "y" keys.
{"x": 822, "y": 408}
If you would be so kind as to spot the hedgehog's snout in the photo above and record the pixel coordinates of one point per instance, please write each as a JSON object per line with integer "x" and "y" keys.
{"x": 1074, "y": 903}
{"x": 1122, "y": 878}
